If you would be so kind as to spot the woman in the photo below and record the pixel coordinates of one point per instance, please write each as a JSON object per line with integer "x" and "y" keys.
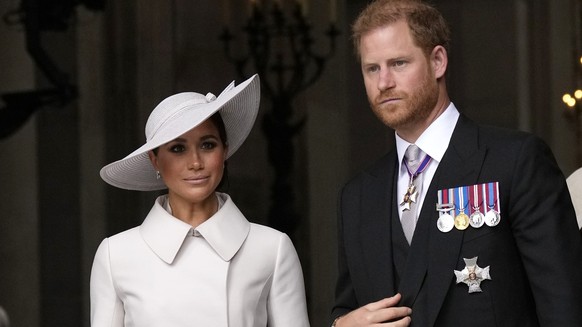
{"x": 195, "y": 260}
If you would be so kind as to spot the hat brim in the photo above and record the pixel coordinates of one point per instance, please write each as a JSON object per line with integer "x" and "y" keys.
{"x": 238, "y": 106}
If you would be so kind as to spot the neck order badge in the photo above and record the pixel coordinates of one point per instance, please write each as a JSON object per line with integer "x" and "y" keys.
{"x": 414, "y": 168}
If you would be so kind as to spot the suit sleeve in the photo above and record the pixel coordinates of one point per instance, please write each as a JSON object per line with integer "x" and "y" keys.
{"x": 106, "y": 306}
{"x": 287, "y": 305}
{"x": 544, "y": 226}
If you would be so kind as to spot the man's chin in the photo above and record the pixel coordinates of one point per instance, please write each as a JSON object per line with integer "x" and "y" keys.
{"x": 394, "y": 122}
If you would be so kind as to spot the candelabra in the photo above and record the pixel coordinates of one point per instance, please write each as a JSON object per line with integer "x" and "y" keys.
{"x": 280, "y": 51}
{"x": 574, "y": 104}
{"x": 37, "y": 17}
{"x": 574, "y": 101}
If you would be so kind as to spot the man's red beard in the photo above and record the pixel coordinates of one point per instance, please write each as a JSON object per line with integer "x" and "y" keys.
{"x": 408, "y": 109}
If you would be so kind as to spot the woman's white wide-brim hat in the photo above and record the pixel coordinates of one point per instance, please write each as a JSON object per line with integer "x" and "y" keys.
{"x": 176, "y": 115}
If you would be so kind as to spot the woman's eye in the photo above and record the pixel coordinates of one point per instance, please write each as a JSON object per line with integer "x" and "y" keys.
{"x": 208, "y": 145}
{"x": 177, "y": 148}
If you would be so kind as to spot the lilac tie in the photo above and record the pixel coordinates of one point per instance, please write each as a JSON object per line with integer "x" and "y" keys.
{"x": 413, "y": 157}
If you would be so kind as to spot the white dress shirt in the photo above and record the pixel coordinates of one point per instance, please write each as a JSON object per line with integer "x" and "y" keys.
{"x": 434, "y": 141}
{"x": 225, "y": 272}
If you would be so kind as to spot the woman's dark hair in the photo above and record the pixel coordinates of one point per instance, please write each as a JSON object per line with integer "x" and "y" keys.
{"x": 216, "y": 118}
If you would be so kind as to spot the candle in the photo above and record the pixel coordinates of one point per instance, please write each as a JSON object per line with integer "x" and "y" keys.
{"x": 333, "y": 11}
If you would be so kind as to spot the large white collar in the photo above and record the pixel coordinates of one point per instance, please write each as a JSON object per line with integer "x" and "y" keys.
{"x": 225, "y": 232}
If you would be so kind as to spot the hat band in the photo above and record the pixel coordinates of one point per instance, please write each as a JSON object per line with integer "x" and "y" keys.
{"x": 185, "y": 106}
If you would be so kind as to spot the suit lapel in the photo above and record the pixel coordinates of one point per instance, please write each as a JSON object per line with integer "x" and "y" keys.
{"x": 434, "y": 254}
{"x": 460, "y": 166}
{"x": 376, "y": 230}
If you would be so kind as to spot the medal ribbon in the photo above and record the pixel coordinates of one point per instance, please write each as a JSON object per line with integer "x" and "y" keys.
{"x": 475, "y": 198}
{"x": 492, "y": 196}
{"x": 460, "y": 196}
{"x": 484, "y": 195}
{"x": 420, "y": 168}
{"x": 443, "y": 198}
{"x": 440, "y": 201}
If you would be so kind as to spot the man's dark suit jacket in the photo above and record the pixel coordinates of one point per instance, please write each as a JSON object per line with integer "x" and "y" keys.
{"x": 534, "y": 254}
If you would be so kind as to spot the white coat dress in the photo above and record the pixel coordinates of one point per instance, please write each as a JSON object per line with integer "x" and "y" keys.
{"x": 226, "y": 272}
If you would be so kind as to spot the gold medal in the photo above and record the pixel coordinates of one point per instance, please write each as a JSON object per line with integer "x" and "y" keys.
{"x": 461, "y": 221}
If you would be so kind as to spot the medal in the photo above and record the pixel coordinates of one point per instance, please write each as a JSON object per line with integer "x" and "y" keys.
{"x": 446, "y": 222}
{"x": 411, "y": 193}
{"x": 472, "y": 275}
{"x": 484, "y": 207}
{"x": 492, "y": 216}
{"x": 476, "y": 219}
{"x": 461, "y": 219}
{"x": 409, "y": 197}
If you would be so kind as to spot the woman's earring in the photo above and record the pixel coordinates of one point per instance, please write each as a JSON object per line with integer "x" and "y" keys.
{"x": 158, "y": 176}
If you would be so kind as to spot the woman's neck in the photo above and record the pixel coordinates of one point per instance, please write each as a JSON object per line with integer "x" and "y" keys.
{"x": 193, "y": 213}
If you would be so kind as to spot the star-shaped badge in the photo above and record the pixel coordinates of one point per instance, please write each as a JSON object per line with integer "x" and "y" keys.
{"x": 409, "y": 197}
{"x": 472, "y": 275}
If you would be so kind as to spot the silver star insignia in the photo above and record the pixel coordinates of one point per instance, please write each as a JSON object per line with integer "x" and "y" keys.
{"x": 409, "y": 198}
{"x": 472, "y": 275}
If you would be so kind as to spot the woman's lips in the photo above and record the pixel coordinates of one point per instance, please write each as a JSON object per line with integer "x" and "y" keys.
{"x": 196, "y": 180}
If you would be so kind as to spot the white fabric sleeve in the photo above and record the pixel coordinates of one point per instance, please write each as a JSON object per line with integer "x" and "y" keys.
{"x": 286, "y": 304}
{"x": 106, "y": 306}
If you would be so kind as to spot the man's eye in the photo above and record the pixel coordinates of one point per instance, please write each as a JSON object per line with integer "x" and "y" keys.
{"x": 372, "y": 69}
{"x": 399, "y": 63}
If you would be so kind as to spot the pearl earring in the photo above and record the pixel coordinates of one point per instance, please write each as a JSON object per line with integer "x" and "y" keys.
{"x": 158, "y": 176}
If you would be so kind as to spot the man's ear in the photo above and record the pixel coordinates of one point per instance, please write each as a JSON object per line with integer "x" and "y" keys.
{"x": 439, "y": 60}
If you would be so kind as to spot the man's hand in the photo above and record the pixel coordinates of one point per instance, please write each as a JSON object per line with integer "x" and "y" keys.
{"x": 381, "y": 313}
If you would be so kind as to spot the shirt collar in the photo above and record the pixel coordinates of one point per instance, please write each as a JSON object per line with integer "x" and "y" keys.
{"x": 225, "y": 231}
{"x": 435, "y": 139}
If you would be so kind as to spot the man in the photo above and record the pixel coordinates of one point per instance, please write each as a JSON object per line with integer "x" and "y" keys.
{"x": 478, "y": 231}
